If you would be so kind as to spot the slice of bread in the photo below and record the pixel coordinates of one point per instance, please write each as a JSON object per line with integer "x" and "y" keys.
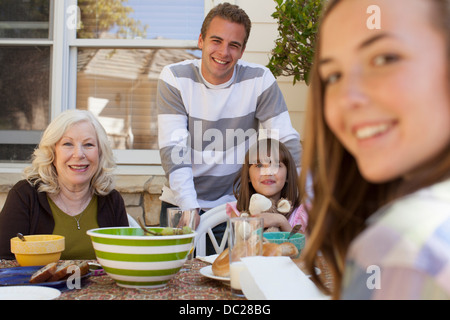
{"x": 63, "y": 270}
{"x": 84, "y": 267}
{"x": 59, "y": 271}
{"x": 44, "y": 273}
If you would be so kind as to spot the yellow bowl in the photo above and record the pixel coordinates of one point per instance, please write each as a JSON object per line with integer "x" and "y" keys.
{"x": 37, "y": 250}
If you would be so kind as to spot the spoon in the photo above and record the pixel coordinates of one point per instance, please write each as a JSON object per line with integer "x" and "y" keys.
{"x": 173, "y": 231}
{"x": 294, "y": 230}
{"x": 141, "y": 224}
{"x": 21, "y": 237}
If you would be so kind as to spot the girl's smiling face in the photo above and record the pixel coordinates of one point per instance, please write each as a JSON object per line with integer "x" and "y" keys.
{"x": 77, "y": 156}
{"x": 386, "y": 90}
{"x": 268, "y": 179}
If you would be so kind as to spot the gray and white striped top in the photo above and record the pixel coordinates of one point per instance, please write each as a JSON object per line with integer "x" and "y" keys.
{"x": 204, "y": 130}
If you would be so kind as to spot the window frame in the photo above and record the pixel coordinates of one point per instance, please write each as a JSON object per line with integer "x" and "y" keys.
{"x": 63, "y": 77}
{"x": 32, "y": 136}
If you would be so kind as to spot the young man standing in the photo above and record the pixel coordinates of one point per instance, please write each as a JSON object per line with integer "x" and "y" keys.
{"x": 210, "y": 111}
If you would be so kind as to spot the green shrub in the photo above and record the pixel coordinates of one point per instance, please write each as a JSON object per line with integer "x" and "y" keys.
{"x": 294, "y": 48}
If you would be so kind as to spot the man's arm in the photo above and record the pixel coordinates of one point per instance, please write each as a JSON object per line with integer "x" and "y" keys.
{"x": 173, "y": 138}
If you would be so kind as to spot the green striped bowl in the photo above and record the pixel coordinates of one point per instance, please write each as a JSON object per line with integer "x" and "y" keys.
{"x": 135, "y": 260}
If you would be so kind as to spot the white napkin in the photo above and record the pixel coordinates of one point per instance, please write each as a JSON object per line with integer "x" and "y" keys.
{"x": 276, "y": 278}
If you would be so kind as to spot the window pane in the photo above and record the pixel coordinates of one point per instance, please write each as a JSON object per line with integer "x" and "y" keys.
{"x": 24, "y": 87}
{"x": 147, "y": 19}
{"x": 16, "y": 153}
{"x": 119, "y": 86}
{"x": 24, "y": 19}
{"x": 24, "y": 98}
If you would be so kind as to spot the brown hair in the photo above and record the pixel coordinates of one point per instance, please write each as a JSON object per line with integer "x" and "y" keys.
{"x": 242, "y": 187}
{"x": 231, "y": 13}
{"x": 342, "y": 199}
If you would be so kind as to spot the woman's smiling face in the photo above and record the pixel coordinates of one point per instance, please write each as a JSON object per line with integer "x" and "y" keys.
{"x": 387, "y": 90}
{"x": 77, "y": 155}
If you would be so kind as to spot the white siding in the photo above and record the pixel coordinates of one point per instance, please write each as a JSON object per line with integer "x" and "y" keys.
{"x": 261, "y": 42}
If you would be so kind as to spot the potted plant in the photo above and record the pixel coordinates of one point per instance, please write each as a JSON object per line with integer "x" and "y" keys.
{"x": 294, "y": 48}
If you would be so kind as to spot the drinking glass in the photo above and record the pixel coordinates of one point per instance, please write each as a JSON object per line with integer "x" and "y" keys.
{"x": 245, "y": 240}
{"x": 177, "y": 218}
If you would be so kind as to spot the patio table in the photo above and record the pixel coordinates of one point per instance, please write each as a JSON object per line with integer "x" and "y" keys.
{"x": 186, "y": 285}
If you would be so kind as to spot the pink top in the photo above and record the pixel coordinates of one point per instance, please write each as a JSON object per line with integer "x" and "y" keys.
{"x": 298, "y": 216}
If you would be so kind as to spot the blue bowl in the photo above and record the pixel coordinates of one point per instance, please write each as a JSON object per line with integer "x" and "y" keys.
{"x": 297, "y": 239}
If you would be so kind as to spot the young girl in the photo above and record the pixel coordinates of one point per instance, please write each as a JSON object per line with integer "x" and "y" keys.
{"x": 270, "y": 170}
{"x": 378, "y": 149}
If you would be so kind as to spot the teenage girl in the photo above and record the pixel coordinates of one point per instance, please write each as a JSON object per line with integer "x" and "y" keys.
{"x": 377, "y": 147}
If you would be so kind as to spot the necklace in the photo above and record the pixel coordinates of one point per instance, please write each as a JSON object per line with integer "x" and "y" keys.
{"x": 78, "y": 221}
{"x": 84, "y": 205}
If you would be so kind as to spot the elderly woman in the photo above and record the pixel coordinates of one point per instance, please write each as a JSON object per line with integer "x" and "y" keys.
{"x": 67, "y": 190}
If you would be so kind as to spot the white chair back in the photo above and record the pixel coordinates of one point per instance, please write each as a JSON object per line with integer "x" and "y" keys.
{"x": 208, "y": 221}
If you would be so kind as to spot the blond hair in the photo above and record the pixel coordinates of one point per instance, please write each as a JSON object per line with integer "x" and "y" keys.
{"x": 42, "y": 172}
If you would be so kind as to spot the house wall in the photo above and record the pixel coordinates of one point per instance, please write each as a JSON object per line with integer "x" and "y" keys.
{"x": 261, "y": 42}
{"x": 141, "y": 192}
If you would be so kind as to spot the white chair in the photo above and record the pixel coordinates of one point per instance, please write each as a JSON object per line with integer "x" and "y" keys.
{"x": 208, "y": 221}
{"x": 132, "y": 223}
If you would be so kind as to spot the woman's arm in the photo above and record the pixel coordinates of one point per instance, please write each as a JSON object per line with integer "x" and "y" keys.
{"x": 14, "y": 218}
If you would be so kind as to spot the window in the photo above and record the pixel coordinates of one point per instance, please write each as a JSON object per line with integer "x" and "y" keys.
{"x": 119, "y": 86}
{"x": 24, "y": 96}
{"x": 24, "y": 19}
{"x": 104, "y": 56}
{"x": 24, "y": 76}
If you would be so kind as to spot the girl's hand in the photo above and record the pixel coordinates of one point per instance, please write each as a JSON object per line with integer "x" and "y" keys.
{"x": 275, "y": 220}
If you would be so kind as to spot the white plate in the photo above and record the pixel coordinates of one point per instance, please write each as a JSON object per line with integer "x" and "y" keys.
{"x": 207, "y": 272}
{"x": 28, "y": 293}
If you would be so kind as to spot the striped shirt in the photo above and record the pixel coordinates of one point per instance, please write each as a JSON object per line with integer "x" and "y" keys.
{"x": 204, "y": 130}
{"x": 405, "y": 251}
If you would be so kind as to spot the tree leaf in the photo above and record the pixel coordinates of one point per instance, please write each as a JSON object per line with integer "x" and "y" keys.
{"x": 294, "y": 48}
